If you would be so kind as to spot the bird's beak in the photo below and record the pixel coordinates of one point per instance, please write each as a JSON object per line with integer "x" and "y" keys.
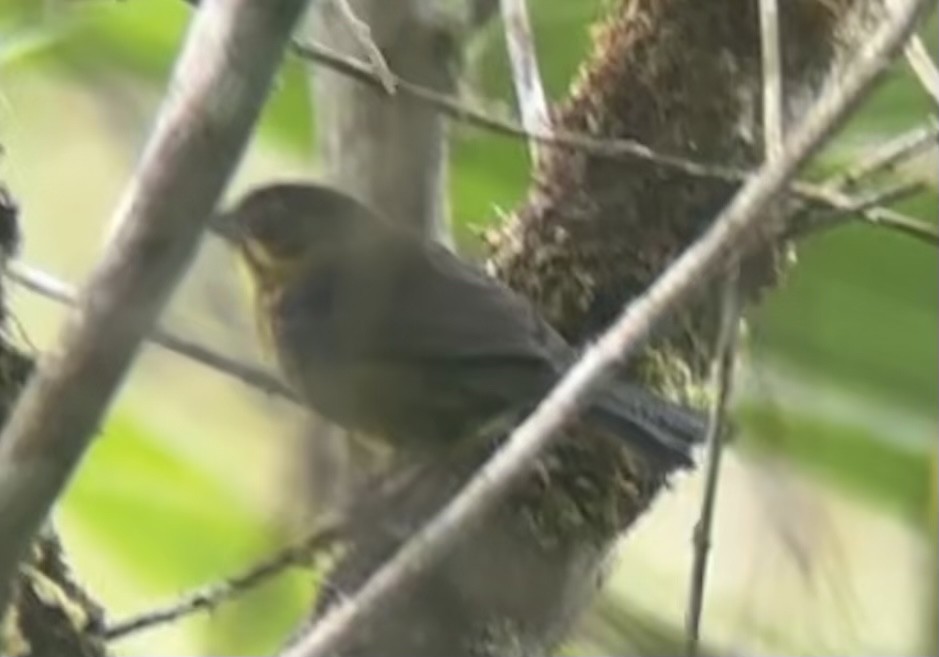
{"x": 225, "y": 225}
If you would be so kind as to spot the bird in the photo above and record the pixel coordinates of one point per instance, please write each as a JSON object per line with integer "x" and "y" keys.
{"x": 391, "y": 335}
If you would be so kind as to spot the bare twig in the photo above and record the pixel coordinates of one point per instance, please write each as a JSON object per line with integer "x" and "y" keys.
{"x": 901, "y": 223}
{"x": 887, "y": 155}
{"x": 773, "y": 108}
{"x": 828, "y": 218}
{"x": 220, "y": 82}
{"x": 923, "y": 66}
{"x": 735, "y": 230}
{"x": 52, "y": 288}
{"x": 454, "y": 108}
{"x": 529, "y": 91}
{"x": 885, "y": 196}
{"x": 363, "y": 35}
{"x": 723, "y": 381}
{"x": 725, "y": 353}
{"x": 606, "y": 148}
{"x": 917, "y": 56}
{"x": 877, "y": 215}
{"x": 209, "y": 598}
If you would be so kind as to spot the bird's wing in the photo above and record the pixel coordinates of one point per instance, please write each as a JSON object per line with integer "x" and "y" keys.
{"x": 395, "y": 298}
{"x": 394, "y": 330}
{"x": 402, "y": 311}
{"x": 443, "y": 306}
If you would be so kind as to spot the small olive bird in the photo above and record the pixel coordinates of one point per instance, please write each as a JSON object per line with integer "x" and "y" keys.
{"x": 386, "y": 333}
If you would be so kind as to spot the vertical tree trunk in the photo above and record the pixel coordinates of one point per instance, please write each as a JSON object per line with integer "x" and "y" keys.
{"x": 389, "y": 153}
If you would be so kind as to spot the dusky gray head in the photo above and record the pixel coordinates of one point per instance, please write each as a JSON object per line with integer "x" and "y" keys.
{"x": 282, "y": 222}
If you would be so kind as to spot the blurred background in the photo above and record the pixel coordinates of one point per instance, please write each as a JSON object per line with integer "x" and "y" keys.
{"x": 826, "y": 526}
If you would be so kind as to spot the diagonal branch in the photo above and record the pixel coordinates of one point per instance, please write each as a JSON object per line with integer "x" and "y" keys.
{"x": 924, "y": 67}
{"x": 875, "y": 215}
{"x": 50, "y": 287}
{"x": 529, "y": 91}
{"x": 887, "y": 155}
{"x": 617, "y": 149}
{"x": 209, "y": 598}
{"x": 735, "y": 230}
{"x": 919, "y": 59}
{"x": 221, "y": 79}
{"x": 451, "y": 106}
{"x": 723, "y": 381}
{"x": 363, "y": 35}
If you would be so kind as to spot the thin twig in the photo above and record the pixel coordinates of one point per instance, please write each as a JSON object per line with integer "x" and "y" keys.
{"x": 597, "y": 147}
{"x": 901, "y": 223}
{"x": 886, "y": 196}
{"x": 454, "y": 108}
{"x": 529, "y": 91}
{"x": 735, "y": 230}
{"x": 220, "y": 81}
{"x": 208, "y": 598}
{"x": 828, "y": 218}
{"x": 917, "y": 56}
{"x": 773, "y": 98}
{"x": 363, "y": 35}
{"x": 52, "y": 288}
{"x": 877, "y": 215}
{"x": 887, "y": 155}
{"x": 924, "y": 67}
{"x": 725, "y": 352}
{"x": 723, "y": 369}
{"x": 460, "y": 111}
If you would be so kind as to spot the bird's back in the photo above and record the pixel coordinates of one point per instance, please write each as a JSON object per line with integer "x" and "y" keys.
{"x": 386, "y": 333}
{"x": 392, "y": 334}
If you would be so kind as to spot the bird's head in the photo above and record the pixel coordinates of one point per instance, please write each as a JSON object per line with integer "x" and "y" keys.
{"x": 283, "y": 226}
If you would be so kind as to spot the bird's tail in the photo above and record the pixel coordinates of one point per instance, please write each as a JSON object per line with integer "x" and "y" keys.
{"x": 661, "y": 428}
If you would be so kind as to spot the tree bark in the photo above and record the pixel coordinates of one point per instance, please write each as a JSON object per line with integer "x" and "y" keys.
{"x": 390, "y": 153}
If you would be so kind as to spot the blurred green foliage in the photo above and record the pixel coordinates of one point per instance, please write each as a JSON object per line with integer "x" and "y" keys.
{"x": 169, "y": 526}
{"x": 864, "y": 462}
